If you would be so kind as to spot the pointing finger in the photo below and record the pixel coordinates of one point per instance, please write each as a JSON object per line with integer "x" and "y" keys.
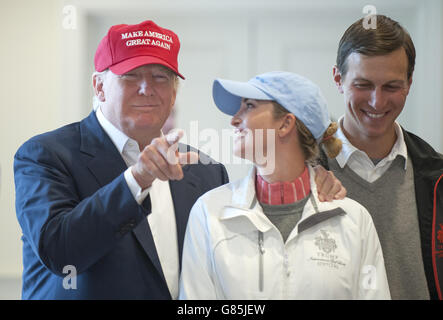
{"x": 174, "y": 136}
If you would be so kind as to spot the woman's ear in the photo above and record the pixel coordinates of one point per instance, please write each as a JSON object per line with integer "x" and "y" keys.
{"x": 287, "y": 125}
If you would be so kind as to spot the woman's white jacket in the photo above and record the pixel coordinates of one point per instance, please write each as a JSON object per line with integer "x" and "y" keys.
{"x": 233, "y": 251}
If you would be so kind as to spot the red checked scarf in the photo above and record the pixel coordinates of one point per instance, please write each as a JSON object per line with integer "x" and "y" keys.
{"x": 283, "y": 192}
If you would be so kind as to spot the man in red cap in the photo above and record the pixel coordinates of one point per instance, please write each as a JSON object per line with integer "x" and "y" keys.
{"x": 103, "y": 212}
{"x": 103, "y": 203}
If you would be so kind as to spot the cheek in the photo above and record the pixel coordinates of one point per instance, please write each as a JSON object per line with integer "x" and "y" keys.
{"x": 357, "y": 100}
{"x": 354, "y": 97}
{"x": 260, "y": 129}
{"x": 114, "y": 89}
{"x": 399, "y": 100}
{"x": 167, "y": 100}
{"x": 255, "y": 144}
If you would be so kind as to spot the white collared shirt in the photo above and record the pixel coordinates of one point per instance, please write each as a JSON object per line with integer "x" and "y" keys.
{"x": 360, "y": 162}
{"x": 162, "y": 218}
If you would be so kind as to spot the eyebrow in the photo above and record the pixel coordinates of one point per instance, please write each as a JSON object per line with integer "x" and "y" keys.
{"x": 163, "y": 69}
{"x": 389, "y": 82}
{"x": 395, "y": 81}
{"x": 360, "y": 79}
{"x": 133, "y": 71}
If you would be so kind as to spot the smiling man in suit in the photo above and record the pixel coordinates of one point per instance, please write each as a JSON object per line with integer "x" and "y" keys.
{"x": 103, "y": 203}
{"x": 99, "y": 195}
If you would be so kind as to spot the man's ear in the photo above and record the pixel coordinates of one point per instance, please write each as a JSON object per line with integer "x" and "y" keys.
{"x": 338, "y": 79}
{"x": 287, "y": 125}
{"x": 97, "y": 83}
{"x": 410, "y": 82}
{"x": 174, "y": 97}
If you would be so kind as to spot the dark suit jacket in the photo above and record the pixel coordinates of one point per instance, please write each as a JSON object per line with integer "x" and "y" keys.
{"x": 75, "y": 209}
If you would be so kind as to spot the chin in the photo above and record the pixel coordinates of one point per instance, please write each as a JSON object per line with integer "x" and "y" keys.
{"x": 147, "y": 121}
{"x": 379, "y": 130}
{"x": 240, "y": 153}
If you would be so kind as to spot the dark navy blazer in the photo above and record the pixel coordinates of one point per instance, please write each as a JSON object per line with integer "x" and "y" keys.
{"x": 75, "y": 209}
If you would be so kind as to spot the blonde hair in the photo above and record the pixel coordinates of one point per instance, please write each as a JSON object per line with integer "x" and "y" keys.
{"x": 309, "y": 145}
{"x": 331, "y": 144}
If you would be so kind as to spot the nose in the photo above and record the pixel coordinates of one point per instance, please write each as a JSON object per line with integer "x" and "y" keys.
{"x": 145, "y": 88}
{"x": 378, "y": 99}
{"x": 236, "y": 120}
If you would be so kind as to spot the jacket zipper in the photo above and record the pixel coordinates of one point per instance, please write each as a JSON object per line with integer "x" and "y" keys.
{"x": 261, "y": 252}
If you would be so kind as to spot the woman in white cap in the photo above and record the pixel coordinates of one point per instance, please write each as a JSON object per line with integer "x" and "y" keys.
{"x": 268, "y": 236}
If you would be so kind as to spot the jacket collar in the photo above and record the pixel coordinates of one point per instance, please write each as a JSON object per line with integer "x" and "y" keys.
{"x": 244, "y": 204}
{"x": 118, "y": 137}
{"x": 93, "y": 137}
{"x": 106, "y": 162}
{"x": 244, "y": 191}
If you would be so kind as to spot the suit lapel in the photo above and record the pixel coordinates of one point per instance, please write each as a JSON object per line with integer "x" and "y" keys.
{"x": 106, "y": 162}
{"x": 144, "y": 236}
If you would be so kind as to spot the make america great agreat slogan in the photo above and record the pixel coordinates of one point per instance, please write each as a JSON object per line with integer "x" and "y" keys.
{"x": 146, "y": 41}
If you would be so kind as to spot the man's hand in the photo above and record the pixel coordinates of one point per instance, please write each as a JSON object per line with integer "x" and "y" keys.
{"x": 328, "y": 186}
{"x": 161, "y": 160}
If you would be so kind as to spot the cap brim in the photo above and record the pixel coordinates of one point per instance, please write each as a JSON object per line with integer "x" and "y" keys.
{"x": 135, "y": 62}
{"x": 227, "y": 94}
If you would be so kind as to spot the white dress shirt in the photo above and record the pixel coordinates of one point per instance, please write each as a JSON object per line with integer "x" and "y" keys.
{"x": 360, "y": 162}
{"x": 162, "y": 218}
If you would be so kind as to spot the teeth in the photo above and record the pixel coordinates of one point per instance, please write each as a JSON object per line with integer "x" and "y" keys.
{"x": 375, "y": 115}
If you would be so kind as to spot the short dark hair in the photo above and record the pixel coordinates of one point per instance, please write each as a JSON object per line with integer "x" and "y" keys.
{"x": 387, "y": 37}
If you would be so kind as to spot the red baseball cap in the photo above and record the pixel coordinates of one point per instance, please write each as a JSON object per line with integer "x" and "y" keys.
{"x": 126, "y": 47}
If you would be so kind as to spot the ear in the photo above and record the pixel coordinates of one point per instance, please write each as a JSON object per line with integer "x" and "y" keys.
{"x": 97, "y": 83}
{"x": 287, "y": 125}
{"x": 174, "y": 96}
{"x": 410, "y": 82}
{"x": 338, "y": 79}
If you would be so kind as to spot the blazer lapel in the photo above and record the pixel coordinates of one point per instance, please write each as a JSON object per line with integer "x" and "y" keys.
{"x": 106, "y": 162}
{"x": 144, "y": 236}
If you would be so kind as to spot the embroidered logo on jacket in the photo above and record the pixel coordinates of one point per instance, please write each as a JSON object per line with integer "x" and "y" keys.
{"x": 325, "y": 256}
{"x": 324, "y": 243}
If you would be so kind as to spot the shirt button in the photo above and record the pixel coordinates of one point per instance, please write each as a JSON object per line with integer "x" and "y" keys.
{"x": 286, "y": 265}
